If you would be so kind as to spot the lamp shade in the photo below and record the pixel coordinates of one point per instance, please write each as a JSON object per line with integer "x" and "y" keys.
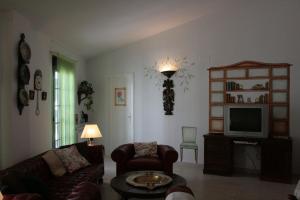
{"x": 1, "y": 197}
{"x": 91, "y": 131}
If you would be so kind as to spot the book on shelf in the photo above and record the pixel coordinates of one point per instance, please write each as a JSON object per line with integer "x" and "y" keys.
{"x": 231, "y": 85}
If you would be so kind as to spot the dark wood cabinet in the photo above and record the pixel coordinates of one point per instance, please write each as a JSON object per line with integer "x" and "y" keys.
{"x": 276, "y": 160}
{"x": 218, "y": 155}
{"x": 276, "y": 156}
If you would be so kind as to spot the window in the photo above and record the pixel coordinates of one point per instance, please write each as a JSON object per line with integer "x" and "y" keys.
{"x": 63, "y": 102}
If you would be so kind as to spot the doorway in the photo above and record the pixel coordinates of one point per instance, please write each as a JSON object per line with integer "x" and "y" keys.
{"x": 121, "y": 123}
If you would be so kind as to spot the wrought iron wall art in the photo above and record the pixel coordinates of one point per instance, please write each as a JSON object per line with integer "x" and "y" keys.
{"x": 183, "y": 75}
{"x": 24, "y": 55}
{"x": 177, "y": 67}
{"x": 168, "y": 96}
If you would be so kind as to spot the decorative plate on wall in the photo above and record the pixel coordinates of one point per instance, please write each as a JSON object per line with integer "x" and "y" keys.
{"x": 24, "y": 50}
{"x": 24, "y": 74}
{"x": 23, "y": 97}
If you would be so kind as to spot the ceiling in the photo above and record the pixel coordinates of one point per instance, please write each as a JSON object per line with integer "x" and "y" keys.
{"x": 91, "y": 27}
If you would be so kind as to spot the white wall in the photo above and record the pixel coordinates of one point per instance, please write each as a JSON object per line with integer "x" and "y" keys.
{"x": 27, "y": 134}
{"x": 5, "y": 82}
{"x": 229, "y": 32}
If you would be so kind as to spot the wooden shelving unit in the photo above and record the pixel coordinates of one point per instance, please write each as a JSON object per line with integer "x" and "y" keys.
{"x": 255, "y": 83}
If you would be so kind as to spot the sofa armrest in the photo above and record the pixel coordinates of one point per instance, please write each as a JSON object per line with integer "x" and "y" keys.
{"x": 292, "y": 197}
{"x": 86, "y": 191}
{"x": 95, "y": 154}
{"x": 168, "y": 155}
{"x": 122, "y": 153}
{"x": 25, "y": 196}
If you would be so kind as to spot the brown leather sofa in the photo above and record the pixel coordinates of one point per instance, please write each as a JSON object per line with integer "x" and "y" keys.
{"x": 81, "y": 184}
{"x": 125, "y": 160}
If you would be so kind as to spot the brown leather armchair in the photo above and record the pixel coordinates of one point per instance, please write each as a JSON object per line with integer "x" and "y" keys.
{"x": 125, "y": 160}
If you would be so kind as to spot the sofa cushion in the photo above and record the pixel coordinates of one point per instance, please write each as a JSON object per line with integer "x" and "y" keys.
{"x": 145, "y": 149}
{"x": 55, "y": 164}
{"x": 35, "y": 185}
{"x": 85, "y": 190}
{"x": 23, "y": 196}
{"x": 61, "y": 187}
{"x": 16, "y": 183}
{"x": 71, "y": 158}
{"x": 11, "y": 183}
{"x": 145, "y": 163}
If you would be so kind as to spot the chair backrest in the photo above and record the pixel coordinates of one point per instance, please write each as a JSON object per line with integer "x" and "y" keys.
{"x": 189, "y": 134}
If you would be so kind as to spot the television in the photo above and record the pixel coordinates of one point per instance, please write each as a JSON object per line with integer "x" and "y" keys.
{"x": 246, "y": 120}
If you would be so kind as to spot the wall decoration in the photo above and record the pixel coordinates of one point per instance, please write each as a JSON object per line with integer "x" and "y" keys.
{"x": 44, "y": 96}
{"x": 23, "y": 97}
{"x": 38, "y": 76}
{"x": 84, "y": 117}
{"x": 76, "y": 119}
{"x": 178, "y": 67}
{"x": 23, "y": 76}
{"x": 183, "y": 73}
{"x": 85, "y": 91}
{"x": 168, "y": 97}
{"x": 120, "y": 96}
{"x": 31, "y": 94}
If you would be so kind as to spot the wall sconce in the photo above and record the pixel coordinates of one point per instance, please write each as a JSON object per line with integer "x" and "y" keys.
{"x": 168, "y": 93}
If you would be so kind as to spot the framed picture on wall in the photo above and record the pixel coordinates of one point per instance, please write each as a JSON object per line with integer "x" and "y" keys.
{"x": 120, "y": 96}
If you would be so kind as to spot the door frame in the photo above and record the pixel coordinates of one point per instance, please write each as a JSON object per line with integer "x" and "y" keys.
{"x": 111, "y": 104}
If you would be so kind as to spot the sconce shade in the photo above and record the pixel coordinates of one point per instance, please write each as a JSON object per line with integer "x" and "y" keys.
{"x": 168, "y": 74}
{"x": 91, "y": 131}
{"x": 168, "y": 67}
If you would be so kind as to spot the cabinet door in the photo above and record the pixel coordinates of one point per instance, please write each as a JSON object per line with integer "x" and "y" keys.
{"x": 218, "y": 157}
{"x": 276, "y": 160}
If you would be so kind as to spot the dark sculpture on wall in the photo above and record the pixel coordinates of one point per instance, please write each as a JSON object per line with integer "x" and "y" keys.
{"x": 168, "y": 93}
{"x": 168, "y": 96}
{"x": 180, "y": 68}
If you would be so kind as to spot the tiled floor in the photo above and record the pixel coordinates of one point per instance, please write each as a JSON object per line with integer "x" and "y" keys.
{"x": 211, "y": 187}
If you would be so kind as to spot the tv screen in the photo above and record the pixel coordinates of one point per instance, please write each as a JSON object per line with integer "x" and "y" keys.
{"x": 245, "y": 119}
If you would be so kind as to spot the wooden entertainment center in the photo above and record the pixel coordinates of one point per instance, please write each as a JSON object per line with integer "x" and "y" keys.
{"x": 250, "y": 83}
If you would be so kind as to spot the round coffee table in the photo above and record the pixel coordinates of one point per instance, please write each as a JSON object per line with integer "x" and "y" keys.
{"x": 127, "y": 191}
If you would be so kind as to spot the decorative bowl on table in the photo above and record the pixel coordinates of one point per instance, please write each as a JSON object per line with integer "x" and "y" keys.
{"x": 149, "y": 179}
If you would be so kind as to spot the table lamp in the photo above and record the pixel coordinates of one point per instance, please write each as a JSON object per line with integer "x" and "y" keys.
{"x": 90, "y": 132}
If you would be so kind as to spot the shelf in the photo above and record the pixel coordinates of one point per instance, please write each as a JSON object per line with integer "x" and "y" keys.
{"x": 217, "y": 104}
{"x": 279, "y": 120}
{"x": 279, "y": 78}
{"x": 249, "y": 90}
{"x": 247, "y": 78}
{"x": 220, "y": 91}
{"x": 281, "y": 90}
{"x": 246, "y": 104}
{"x": 217, "y": 79}
{"x": 217, "y": 118}
{"x": 279, "y": 104}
